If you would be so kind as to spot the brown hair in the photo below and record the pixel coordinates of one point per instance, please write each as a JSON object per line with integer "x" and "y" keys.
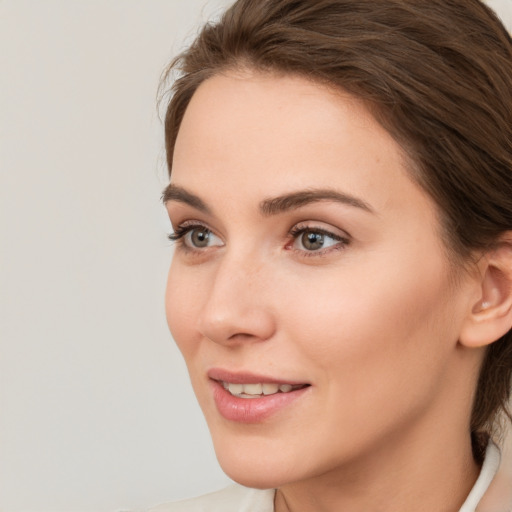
{"x": 437, "y": 74}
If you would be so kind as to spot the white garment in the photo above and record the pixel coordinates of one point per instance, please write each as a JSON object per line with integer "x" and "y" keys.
{"x": 234, "y": 498}
{"x": 492, "y": 492}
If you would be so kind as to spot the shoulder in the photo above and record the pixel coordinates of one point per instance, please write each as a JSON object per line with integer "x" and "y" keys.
{"x": 234, "y": 498}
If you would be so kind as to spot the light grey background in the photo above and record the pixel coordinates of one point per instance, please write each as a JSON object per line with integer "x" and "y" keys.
{"x": 95, "y": 412}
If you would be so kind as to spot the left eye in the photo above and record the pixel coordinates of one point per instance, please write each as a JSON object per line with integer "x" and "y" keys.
{"x": 195, "y": 237}
{"x": 200, "y": 237}
{"x": 314, "y": 240}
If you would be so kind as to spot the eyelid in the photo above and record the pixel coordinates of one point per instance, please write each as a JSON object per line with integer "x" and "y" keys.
{"x": 184, "y": 227}
{"x": 336, "y": 233}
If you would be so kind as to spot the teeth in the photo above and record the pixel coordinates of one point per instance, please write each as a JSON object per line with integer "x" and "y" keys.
{"x": 270, "y": 389}
{"x": 236, "y": 389}
{"x": 256, "y": 390}
{"x": 253, "y": 389}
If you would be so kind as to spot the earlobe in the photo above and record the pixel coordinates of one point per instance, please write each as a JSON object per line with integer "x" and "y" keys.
{"x": 491, "y": 315}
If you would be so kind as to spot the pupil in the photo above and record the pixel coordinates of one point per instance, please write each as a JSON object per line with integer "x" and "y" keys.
{"x": 312, "y": 241}
{"x": 200, "y": 238}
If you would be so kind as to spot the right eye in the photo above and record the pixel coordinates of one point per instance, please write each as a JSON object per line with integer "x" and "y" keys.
{"x": 201, "y": 237}
{"x": 196, "y": 237}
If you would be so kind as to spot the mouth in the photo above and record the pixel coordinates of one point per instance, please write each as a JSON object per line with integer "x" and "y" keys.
{"x": 258, "y": 390}
{"x": 251, "y": 398}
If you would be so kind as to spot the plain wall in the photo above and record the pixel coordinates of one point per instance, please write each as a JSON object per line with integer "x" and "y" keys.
{"x": 95, "y": 413}
{"x": 95, "y": 410}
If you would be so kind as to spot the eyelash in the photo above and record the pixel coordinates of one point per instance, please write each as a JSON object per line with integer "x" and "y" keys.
{"x": 183, "y": 229}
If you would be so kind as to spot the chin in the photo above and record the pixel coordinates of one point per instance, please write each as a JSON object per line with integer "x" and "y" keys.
{"x": 254, "y": 477}
{"x": 249, "y": 463}
{"x": 252, "y": 464}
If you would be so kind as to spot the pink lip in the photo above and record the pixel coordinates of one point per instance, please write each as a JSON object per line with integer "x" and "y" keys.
{"x": 250, "y": 410}
{"x": 247, "y": 378}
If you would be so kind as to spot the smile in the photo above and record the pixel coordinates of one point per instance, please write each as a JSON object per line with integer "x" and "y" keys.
{"x": 257, "y": 390}
{"x": 250, "y": 398}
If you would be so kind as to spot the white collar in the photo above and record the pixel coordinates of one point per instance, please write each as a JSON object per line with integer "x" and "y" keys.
{"x": 488, "y": 472}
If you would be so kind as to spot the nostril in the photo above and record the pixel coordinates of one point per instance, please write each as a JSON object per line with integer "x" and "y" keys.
{"x": 242, "y": 336}
{"x": 238, "y": 327}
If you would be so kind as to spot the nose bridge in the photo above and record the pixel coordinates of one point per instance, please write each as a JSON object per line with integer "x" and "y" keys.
{"x": 236, "y": 307}
{"x": 234, "y": 277}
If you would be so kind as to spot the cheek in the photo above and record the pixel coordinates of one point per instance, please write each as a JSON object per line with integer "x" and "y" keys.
{"x": 181, "y": 307}
{"x": 372, "y": 331}
{"x": 377, "y": 347}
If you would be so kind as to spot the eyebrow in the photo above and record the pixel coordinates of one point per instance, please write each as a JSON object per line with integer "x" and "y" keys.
{"x": 271, "y": 206}
{"x": 295, "y": 200}
{"x": 175, "y": 193}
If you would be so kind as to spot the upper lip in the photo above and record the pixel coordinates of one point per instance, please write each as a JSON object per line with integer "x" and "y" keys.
{"x": 232, "y": 377}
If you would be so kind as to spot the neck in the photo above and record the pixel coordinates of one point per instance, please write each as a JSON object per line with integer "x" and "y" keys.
{"x": 401, "y": 475}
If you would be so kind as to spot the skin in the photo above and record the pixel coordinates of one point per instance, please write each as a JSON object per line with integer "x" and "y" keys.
{"x": 372, "y": 322}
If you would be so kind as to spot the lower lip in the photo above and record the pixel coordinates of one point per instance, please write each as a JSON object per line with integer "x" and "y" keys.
{"x": 252, "y": 410}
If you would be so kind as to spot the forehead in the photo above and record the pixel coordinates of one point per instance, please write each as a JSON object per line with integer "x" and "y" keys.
{"x": 256, "y": 135}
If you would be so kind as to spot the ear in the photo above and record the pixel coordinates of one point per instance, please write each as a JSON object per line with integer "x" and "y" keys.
{"x": 490, "y": 316}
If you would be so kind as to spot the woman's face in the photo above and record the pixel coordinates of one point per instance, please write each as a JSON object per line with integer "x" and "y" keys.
{"x": 308, "y": 260}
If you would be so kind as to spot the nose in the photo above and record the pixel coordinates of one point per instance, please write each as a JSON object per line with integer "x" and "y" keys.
{"x": 237, "y": 308}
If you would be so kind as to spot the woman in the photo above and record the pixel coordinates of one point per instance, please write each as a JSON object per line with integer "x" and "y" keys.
{"x": 341, "y": 289}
